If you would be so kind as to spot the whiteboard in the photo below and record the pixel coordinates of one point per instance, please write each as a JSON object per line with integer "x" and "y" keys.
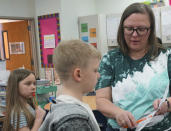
{"x": 157, "y": 14}
{"x": 166, "y": 24}
{"x": 112, "y": 24}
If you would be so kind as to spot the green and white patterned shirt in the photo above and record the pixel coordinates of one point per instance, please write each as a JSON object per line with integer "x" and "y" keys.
{"x": 136, "y": 83}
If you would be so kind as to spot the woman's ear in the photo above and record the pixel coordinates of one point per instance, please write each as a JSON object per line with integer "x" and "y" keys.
{"x": 77, "y": 74}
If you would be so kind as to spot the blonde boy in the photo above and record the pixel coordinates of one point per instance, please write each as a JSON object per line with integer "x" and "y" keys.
{"x": 76, "y": 64}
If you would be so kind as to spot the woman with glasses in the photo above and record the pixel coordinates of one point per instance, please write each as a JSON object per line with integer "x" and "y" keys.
{"x": 135, "y": 76}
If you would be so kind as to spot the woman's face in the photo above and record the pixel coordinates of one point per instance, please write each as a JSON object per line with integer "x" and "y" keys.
{"x": 136, "y": 31}
{"x": 27, "y": 86}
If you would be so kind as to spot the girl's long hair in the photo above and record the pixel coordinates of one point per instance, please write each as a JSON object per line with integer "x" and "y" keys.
{"x": 14, "y": 103}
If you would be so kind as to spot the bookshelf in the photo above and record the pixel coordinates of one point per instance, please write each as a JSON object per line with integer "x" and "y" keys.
{"x": 2, "y": 99}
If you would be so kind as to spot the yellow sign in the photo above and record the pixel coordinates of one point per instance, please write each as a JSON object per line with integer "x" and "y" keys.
{"x": 92, "y": 32}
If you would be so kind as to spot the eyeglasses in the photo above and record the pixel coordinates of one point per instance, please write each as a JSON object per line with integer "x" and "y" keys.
{"x": 141, "y": 31}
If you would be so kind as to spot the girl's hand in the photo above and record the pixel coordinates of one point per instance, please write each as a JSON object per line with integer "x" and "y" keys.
{"x": 125, "y": 119}
{"x": 163, "y": 108}
{"x": 40, "y": 113}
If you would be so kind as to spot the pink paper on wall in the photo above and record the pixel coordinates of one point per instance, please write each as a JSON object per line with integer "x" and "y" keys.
{"x": 49, "y": 32}
{"x": 170, "y": 2}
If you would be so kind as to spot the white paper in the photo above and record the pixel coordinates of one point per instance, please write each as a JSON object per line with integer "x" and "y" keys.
{"x": 4, "y": 74}
{"x": 112, "y": 27}
{"x": 49, "y": 41}
{"x": 2, "y": 65}
{"x": 151, "y": 119}
{"x": 156, "y": 12}
{"x": 166, "y": 25}
{"x": 166, "y": 31}
{"x": 166, "y": 17}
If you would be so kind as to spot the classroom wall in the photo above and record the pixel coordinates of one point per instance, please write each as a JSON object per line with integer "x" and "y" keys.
{"x": 17, "y": 8}
{"x": 68, "y": 20}
{"x": 44, "y": 7}
{"x": 113, "y": 6}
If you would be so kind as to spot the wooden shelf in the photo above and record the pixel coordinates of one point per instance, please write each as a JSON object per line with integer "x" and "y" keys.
{"x": 2, "y": 118}
{"x": 90, "y": 100}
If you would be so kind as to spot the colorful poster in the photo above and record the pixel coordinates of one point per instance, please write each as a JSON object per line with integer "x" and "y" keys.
{"x": 84, "y": 38}
{"x": 17, "y": 48}
{"x": 49, "y": 41}
{"x": 49, "y": 35}
{"x": 94, "y": 44}
{"x": 84, "y": 27}
{"x": 92, "y": 32}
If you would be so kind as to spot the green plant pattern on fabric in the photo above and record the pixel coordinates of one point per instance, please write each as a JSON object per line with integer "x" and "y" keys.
{"x": 136, "y": 83}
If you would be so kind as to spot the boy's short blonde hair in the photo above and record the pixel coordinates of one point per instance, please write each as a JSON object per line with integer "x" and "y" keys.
{"x": 70, "y": 54}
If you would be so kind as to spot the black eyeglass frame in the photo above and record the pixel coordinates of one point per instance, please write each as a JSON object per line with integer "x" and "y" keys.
{"x": 136, "y": 29}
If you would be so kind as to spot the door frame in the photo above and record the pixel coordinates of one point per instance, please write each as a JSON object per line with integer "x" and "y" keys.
{"x": 33, "y": 42}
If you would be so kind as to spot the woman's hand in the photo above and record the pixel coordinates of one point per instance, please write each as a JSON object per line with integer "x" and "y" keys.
{"x": 110, "y": 110}
{"x": 163, "y": 108}
{"x": 125, "y": 119}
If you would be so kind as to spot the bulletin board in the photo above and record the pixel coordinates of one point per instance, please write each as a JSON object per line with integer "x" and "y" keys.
{"x": 112, "y": 24}
{"x": 88, "y": 29}
{"x": 156, "y": 12}
{"x": 166, "y": 24}
{"x": 49, "y": 35}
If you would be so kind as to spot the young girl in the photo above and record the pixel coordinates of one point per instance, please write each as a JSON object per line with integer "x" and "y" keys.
{"x": 20, "y": 113}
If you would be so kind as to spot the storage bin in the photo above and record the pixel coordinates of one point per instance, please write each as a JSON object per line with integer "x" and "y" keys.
{"x": 45, "y": 89}
{"x": 42, "y": 94}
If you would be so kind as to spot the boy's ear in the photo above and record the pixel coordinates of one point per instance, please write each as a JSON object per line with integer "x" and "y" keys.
{"x": 77, "y": 74}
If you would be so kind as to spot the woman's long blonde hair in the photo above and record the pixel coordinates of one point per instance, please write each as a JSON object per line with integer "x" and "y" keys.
{"x": 14, "y": 102}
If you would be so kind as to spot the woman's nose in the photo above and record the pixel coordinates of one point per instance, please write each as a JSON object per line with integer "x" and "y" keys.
{"x": 135, "y": 33}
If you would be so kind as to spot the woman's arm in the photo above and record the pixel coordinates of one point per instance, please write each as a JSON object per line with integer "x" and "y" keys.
{"x": 110, "y": 110}
{"x": 104, "y": 102}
